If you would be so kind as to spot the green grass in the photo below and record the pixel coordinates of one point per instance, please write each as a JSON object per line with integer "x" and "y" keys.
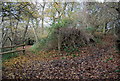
{"x": 9, "y": 56}
{"x": 35, "y": 48}
{"x": 99, "y": 41}
{"x": 118, "y": 70}
{"x": 71, "y": 49}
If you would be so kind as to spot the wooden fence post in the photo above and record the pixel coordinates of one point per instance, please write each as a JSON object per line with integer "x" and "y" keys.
{"x": 24, "y": 49}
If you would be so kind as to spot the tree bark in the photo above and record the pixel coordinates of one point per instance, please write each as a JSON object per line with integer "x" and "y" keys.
{"x": 59, "y": 43}
{"x": 26, "y": 28}
{"x": 43, "y": 7}
{"x": 34, "y": 30}
{"x": 0, "y": 41}
{"x": 118, "y": 30}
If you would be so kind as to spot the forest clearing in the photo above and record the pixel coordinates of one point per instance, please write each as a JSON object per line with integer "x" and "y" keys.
{"x": 60, "y": 40}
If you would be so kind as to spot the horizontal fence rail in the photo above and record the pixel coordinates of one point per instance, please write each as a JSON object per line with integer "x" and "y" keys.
{"x": 12, "y": 51}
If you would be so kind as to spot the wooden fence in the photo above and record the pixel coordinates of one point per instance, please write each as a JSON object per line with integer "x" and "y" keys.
{"x": 16, "y": 50}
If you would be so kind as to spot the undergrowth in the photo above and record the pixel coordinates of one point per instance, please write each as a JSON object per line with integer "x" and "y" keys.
{"x": 9, "y": 56}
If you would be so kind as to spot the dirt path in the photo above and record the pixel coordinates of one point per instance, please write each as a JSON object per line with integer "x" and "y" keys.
{"x": 27, "y": 47}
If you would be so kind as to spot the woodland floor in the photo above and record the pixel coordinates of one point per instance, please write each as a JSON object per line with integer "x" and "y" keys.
{"x": 99, "y": 61}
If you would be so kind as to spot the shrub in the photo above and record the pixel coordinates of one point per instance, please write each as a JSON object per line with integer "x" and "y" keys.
{"x": 62, "y": 36}
{"x": 90, "y": 29}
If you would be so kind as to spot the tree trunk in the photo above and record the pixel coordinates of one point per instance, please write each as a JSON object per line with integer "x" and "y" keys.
{"x": 1, "y": 46}
{"x": 118, "y": 30}
{"x": 24, "y": 35}
{"x": 36, "y": 37}
{"x": 15, "y": 35}
{"x": 104, "y": 28}
{"x": 0, "y": 55}
{"x": 59, "y": 44}
{"x": 34, "y": 30}
{"x": 0, "y": 41}
{"x": 43, "y": 7}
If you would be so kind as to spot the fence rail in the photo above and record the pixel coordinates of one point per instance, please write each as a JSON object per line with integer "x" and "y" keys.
{"x": 12, "y": 51}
